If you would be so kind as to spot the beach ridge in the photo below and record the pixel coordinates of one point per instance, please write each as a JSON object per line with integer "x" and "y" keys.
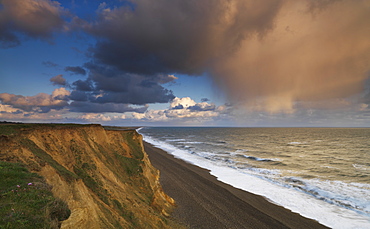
{"x": 204, "y": 202}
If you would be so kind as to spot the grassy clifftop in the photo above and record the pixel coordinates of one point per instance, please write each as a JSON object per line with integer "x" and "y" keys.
{"x": 27, "y": 201}
{"x": 102, "y": 174}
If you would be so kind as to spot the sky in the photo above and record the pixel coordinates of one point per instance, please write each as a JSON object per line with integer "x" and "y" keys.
{"x": 249, "y": 63}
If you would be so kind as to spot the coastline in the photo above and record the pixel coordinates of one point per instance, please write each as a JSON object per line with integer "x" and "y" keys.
{"x": 204, "y": 202}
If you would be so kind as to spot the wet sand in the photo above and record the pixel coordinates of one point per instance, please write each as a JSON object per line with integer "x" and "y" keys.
{"x": 204, "y": 202}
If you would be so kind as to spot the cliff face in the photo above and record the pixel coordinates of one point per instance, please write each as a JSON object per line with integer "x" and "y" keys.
{"x": 104, "y": 175}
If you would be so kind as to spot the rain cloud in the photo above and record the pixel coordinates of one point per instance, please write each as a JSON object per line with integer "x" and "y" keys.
{"x": 267, "y": 55}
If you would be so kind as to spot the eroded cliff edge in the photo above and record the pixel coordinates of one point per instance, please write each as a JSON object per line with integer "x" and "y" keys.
{"x": 104, "y": 175}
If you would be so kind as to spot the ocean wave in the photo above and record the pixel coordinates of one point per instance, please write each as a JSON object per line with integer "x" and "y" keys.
{"x": 361, "y": 167}
{"x": 351, "y": 196}
{"x": 240, "y": 151}
{"x": 255, "y": 158}
{"x": 221, "y": 142}
{"x": 217, "y": 143}
{"x": 260, "y": 171}
{"x": 189, "y": 142}
{"x": 297, "y": 143}
{"x": 335, "y": 204}
{"x": 176, "y": 140}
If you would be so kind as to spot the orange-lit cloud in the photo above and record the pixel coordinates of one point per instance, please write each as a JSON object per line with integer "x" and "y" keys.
{"x": 315, "y": 52}
{"x": 36, "y": 19}
{"x": 41, "y": 103}
{"x": 266, "y": 54}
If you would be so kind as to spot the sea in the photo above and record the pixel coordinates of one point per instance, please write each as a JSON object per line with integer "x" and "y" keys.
{"x": 320, "y": 173}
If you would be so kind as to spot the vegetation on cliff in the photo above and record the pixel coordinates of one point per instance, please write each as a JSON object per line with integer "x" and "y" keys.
{"x": 103, "y": 175}
{"x": 26, "y": 200}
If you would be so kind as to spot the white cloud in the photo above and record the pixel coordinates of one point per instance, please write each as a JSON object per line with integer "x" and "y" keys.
{"x": 185, "y": 102}
{"x": 94, "y": 117}
{"x": 138, "y": 115}
{"x": 185, "y": 110}
{"x": 100, "y": 118}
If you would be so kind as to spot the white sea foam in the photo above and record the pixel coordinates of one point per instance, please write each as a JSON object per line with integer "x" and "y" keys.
{"x": 351, "y": 195}
{"x": 176, "y": 140}
{"x": 361, "y": 167}
{"x": 240, "y": 151}
{"x": 297, "y": 201}
{"x": 189, "y": 142}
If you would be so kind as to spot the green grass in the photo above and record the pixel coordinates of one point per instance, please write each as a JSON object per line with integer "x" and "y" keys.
{"x": 134, "y": 145}
{"x": 77, "y": 151}
{"x": 68, "y": 175}
{"x": 131, "y": 166}
{"x": 132, "y": 172}
{"x": 15, "y": 128}
{"x": 12, "y": 129}
{"x": 33, "y": 206}
{"x": 26, "y": 200}
{"x": 92, "y": 183}
{"x": 126, "y": 214}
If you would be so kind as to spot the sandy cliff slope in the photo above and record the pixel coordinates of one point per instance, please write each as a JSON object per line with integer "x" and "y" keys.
{"x": 104, "y": 175}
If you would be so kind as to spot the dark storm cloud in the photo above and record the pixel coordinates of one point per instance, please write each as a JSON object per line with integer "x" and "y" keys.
{"x": 58, "y": 80}
{"x": 235, "y": 40}
{"x": 137, "y": 95}
{"x": 106, "y": 89}
{"x": 75, "y": 70}
{"x": 128, "y": 58}
{"x": 106, "y": 107}
{"x": 79, "y": 96}
{"x": 130, "y": 93}
{"x": 167, "y": 36}
{"x": 110, "y": 85}
{"x": 83, "y": 85}
{"x": 105, "y": 78}
{"x": 37, "y": 19}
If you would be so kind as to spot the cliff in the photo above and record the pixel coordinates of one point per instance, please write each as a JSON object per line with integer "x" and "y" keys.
{"x": 103, "y": 174}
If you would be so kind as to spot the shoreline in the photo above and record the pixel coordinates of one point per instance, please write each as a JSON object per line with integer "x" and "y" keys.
{"x": 204, "y": 202}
